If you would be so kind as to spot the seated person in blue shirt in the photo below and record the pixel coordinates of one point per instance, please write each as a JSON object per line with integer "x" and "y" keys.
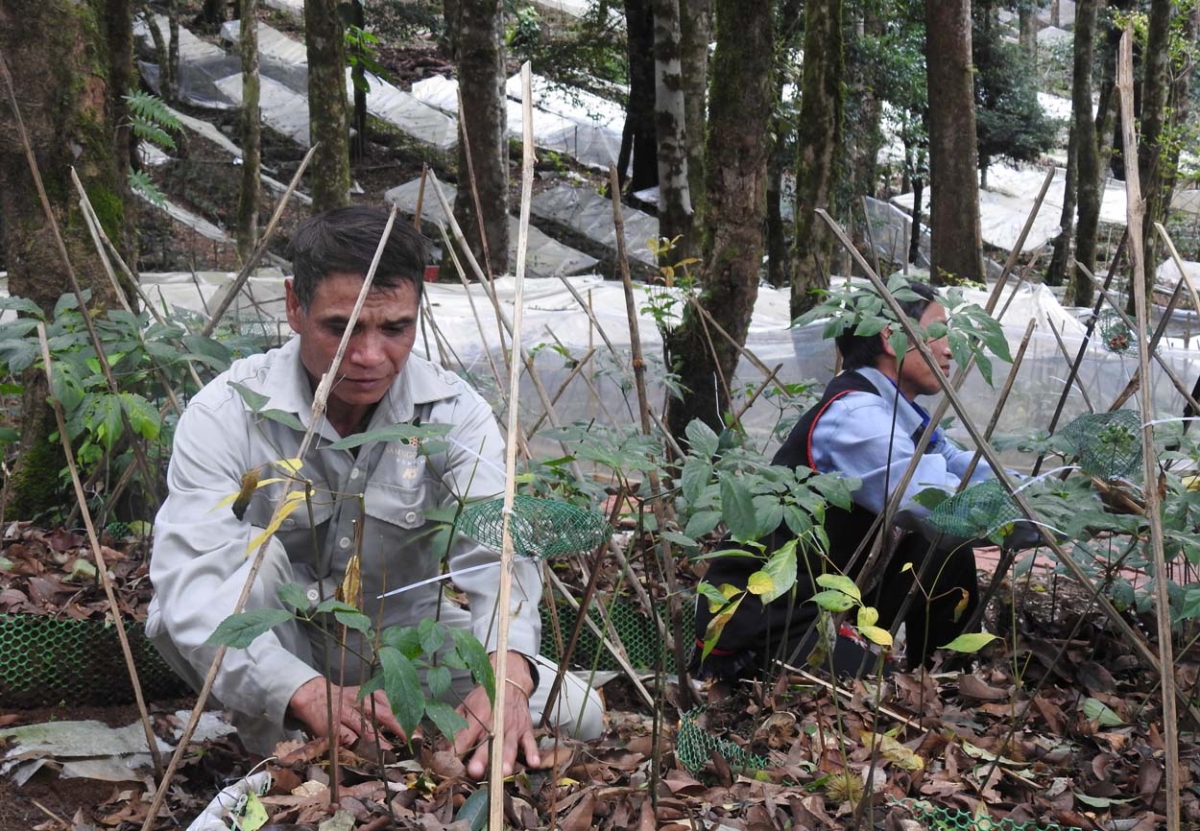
{"x": 865, "y": 426}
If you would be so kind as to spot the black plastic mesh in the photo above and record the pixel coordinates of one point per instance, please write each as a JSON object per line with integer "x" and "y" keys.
{"x": 1108, "y": 445}
{"x": 976, "y": 511}
{"x": 45, "y": 662}
{"x": 539, "y": 527}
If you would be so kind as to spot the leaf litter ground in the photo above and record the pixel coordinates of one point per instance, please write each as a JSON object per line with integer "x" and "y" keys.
{"x": 1063, "y": 729}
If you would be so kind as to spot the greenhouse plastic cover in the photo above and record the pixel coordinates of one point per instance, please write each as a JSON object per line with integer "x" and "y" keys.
{"x": 585, "y": 219}
{"x": 544, "y": 257}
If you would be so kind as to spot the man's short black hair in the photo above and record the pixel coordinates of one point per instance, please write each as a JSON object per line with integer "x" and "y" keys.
{"x": 860, "y": 350}
{"x": 343, "y": 241}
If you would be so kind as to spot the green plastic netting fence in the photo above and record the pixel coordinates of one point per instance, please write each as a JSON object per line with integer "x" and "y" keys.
{"x": 955, "y": 819}
{"x": 976, "y": 511}
{"x": 46, "y": 661}
{"x": 694, "y": 746}
{"x": 539, "y": 528}
{"x": 1107, "y": 445}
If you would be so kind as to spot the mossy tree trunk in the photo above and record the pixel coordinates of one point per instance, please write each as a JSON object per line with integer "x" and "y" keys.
{"x": 70, "y": 64}
{"x": 1087, "y": 152}
{"x": 1159, "y": 123}
{"x": 638, "y": 141}
{"x": 738, "y": 148}
{"x": 957, "y": 250}
{"x": 787, "y": 30}
{"x": 248, "y": 200}
{"x": 674, "y": 197}
{"x": 695, "y": 33}
{"x": 818, "y": 148}
{"x": 329, "y": 125}
{"x": 481, "y": 83}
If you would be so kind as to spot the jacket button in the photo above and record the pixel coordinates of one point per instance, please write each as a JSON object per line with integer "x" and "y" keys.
{"x": 411, "y": 516}
{"x": 344, "y": 542}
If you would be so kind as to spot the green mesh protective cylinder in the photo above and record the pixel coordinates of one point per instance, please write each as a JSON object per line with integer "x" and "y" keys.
{"x": 638, "y": 634}
{"x": 940, "y": 817}
{"x": 694, "y": 746}
{"x": 976, "y": 511}
{"x": 45, "y": 662}
{"x": 1107, "y": 445}
{"x": 539, "y": 528}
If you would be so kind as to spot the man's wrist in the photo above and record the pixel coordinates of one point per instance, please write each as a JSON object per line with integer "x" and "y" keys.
{"x": 520, "y": 672}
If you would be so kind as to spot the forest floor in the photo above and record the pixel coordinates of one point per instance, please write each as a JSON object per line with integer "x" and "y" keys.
{"x": 1057, "y": 724}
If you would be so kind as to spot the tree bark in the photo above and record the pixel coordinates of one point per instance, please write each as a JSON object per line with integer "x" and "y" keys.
{"x": 818, "y": 151}
{"x": 867, "y": 138}
{"x": 484, "y": 119}
{"x": 1154, "y": 146}
{"x": 638, "y": 140}
{"x": 358, "y": 75}
{"x": 1056, "y": 273}
{"x": 953, "y": 160}
{"x": 1087, "y": 152}
{"x": 448, "y": 41}
{"x": 695, "y": 33}
{"x": 738, "y": 149}
{"x": 1027, "y": 31}
{"x": 251, "y": 134}
{"x": 70, "y": 63}
{"x": 329, "y": 127}
{"x": 779, "y": 267}
{"x": 674, "y": 199}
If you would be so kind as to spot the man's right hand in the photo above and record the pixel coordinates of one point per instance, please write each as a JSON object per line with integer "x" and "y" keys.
{"x": 353, "y": 719}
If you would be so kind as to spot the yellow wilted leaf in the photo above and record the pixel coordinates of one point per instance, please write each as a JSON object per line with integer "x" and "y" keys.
{"x": 893, "y": 751}
{"x": 961, "y": 606}
{"x": 351, "y": 589}
{"x": 290, "y": 503}
{"x": 876, "y": 634}
{"x": 867, "y": 616}
{"x": 760, "y": 583}
{"x": 289, "y": 466}
{"x": 259, "y": 483}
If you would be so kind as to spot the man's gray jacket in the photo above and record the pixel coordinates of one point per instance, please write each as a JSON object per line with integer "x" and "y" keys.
{"x": 202, "y": 551}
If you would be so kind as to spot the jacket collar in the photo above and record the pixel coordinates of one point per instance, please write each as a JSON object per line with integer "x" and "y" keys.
{"x": 287, "y": 387}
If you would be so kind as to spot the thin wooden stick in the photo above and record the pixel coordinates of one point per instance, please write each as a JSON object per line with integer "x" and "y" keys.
{"x": 496, "y": 754}
{"x": 320, "y": 400}
{"x": 915, "y": 337}
{"x": 259, "y": 249}
{"x": 1187, "y": 283}
{"x": 580, "y": 363}
{"x": 1062, "y": 350}
{"x": 666, "y": 560}
{"x": 1136, "y": 217}
{"x": 462, "y": 276}
{"x": 994, "y": 297}
{"x": 98, "y": 554}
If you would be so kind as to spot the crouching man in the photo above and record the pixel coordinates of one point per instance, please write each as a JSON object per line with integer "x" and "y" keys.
{"x": 374, "y": 497}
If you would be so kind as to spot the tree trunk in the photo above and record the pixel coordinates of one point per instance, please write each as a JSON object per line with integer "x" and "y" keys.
{"x": 674, "y": 199}
{"x": 953, "y": 161}
{"x": 695, "y": 33}
{"x": 779, "y": 268}
{"x": 914, "y": 239}
{"x": 1056, "y": 272}
{"x": 67, "y": 59}
{"x": 818, "y": 151}
{"x": 248, "y": 199}
{"x": 481, "y": 83}
{"x": 639, "y": 140}
{"x": 1087, "y": 152}
{"x": 865, "y": 112}
{"x": 1027, "y": 29}
{"x": 327, "y": 105}
{"x": 1154, "y": 143}
{"x": 359, "y": 78}
{"x": 170, "y": 75}
{"x": 448, "y": 41}
{"x": 212, "y": 14}
{"x": 738, "y": 149}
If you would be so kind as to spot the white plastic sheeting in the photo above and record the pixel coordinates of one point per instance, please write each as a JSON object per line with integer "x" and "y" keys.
{"x": 284, "y": 111}
{"x": 544, "y": 257}
{"x": 584, "y": 218}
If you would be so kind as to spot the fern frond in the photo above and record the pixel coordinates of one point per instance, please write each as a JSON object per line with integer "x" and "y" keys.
{"x": 151, "y": 118}
{"x": 139, "y": 181}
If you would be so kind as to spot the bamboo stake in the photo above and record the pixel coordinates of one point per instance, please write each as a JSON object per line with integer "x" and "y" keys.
{"x": 1118, "y": 621}
{"x": 259, "y": 249}
{"x": 1137, "y": 212}
{"x": 462, "y": 276}
{"x": 320, "y": 399}
{"x": 98, "y": 554}
{"x": 1018, "y": 359}
{"x": 994, "y": 298}
{"x": 580, "y": 363}
{"x": 1062, "y": 350}
{"x": 1166, "y": 238}
{"x": 496, "y": 754}
{"x": 666, "y": 561}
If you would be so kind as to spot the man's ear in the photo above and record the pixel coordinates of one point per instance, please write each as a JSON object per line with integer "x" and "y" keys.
{"x": 295, "y": 313}
{"x": 885, "y": 337}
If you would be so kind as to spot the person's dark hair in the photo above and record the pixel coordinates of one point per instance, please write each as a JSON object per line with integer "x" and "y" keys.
{"x": 860, "y": 350}
{"x": 343, "y": 240}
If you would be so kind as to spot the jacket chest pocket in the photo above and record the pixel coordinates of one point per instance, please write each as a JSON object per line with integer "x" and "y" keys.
{"x": 397, "y": 495}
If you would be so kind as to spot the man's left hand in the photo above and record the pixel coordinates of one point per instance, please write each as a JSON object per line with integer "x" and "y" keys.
{"x": 518, "y": 723}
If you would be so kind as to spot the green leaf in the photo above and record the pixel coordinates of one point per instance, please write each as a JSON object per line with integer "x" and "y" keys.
{"x": 22, "y": 305}
{"x": 292, "y": 594}
{"x": 474, "y": 811}
{"x": 403, "y": 688}
{"x": 106, "y": 419}
{"x": 438, "y": 680}
{"x": 697, "y": 472}
{"x": 210, "y": 351}
{"x": 239, "y": 631}
{"x": 833, "y": 601}
{"x": 468, "y": 647}
{"x": 332, "y": 605}
{"x": 285, "y": 418}
{"x": 675, "y": 537}
{"x": 395, "y": 432}
{"x": 737, "y": 507}
{"x": 1101, "y": 801}
{"x": 701, "y": 523}
{"x": 8, "y": 434}
{"x": 702, "y": 440}
{"x": 445, "y": 718}
{"x": 143, "y": 416}
{"x": 781, "y": 569}
{"x": 930, "y": 497}
{"x": 1096, "y": 710}
{"x": 404, "y": 639}
{"x": 354, "y": 620}
{"x": 969, "y": 642}
{"x": 870, "y": 326}
{"x": 432, "y": 635}
{"x": 760, "y": 583}
{"x": 715, "y": 597}
{"x": 841, "y": 583}
{"x": 899, "y": 342}
{"x": 254, "y": 400}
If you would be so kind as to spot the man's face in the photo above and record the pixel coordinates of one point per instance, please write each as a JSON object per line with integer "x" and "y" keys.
{"x": 915, "y": 377}
{"x": 378, "y": 349}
